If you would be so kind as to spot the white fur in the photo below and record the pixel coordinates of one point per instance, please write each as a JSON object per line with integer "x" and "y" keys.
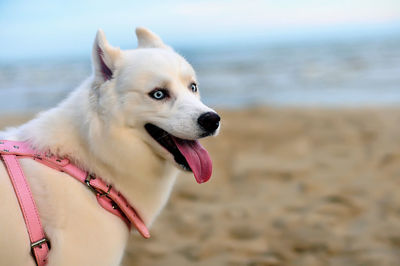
{"x": 100, "y": 126}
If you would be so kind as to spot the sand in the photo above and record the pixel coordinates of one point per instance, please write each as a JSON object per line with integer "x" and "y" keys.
{"x": 290, "y": 187}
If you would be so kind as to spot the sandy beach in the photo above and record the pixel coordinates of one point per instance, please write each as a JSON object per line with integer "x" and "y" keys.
{"x": 290, "y": 187}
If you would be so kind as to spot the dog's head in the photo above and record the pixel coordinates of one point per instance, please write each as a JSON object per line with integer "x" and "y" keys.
{"x": 154, "y": 91}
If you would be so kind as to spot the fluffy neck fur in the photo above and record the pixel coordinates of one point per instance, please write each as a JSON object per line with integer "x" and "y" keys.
{"x": 76, "y": 130}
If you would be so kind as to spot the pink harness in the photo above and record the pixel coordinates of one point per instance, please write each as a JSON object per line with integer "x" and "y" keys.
{"x": 106, "y": 195}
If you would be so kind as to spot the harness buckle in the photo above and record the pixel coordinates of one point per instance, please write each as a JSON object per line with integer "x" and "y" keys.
{"x": 96, "y": 191}
{"x": 87, "y": 181}
{"x": 39, "y": 244}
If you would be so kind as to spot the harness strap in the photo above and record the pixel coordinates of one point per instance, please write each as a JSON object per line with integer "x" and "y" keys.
{"x": 39, "y": 245}
{"x": 109, "y": 198}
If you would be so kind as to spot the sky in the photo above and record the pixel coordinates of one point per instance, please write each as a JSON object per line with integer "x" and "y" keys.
{"x": 36, "y": 29}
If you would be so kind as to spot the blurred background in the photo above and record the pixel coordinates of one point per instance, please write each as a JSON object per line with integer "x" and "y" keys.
{"x": 307, "y": 165}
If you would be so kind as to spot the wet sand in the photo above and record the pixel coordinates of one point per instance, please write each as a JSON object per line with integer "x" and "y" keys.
{"x": 290, "y": 187}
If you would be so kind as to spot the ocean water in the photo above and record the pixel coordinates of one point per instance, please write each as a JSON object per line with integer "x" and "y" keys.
{"x": 341, "y": 73}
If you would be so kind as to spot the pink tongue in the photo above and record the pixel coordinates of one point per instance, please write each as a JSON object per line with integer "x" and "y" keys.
{"x": 197, "y": 158}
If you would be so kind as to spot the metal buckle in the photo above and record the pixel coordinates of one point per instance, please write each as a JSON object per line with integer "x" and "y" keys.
{"x": 87, "y": 181}
{"x": 96, "y": 191}
{"x": 39, "y": 243}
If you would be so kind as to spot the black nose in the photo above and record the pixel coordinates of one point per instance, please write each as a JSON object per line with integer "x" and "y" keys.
{"x": 209, "y": 121}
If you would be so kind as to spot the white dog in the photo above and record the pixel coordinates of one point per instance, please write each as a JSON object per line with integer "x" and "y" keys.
{"x": 134, "y": 122}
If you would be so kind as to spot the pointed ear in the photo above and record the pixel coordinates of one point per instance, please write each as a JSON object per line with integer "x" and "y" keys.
{"x": 104, "y": 57}
{"x": 148, "y": 39}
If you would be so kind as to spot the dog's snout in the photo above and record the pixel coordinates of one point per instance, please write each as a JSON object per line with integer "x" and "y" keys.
{"x": 209, "y": 121}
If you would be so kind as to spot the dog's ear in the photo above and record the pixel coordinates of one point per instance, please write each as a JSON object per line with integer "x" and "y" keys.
{"x": 104, "y": 57}
{"x": 148, "y": 39}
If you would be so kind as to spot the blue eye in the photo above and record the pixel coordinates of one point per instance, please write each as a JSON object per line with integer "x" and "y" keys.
{"x": 193, "y": 87}
{"x": 158, "y": 94}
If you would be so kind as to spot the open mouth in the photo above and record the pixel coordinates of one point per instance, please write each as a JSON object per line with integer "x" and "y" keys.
{"x": 189, "y": 154}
